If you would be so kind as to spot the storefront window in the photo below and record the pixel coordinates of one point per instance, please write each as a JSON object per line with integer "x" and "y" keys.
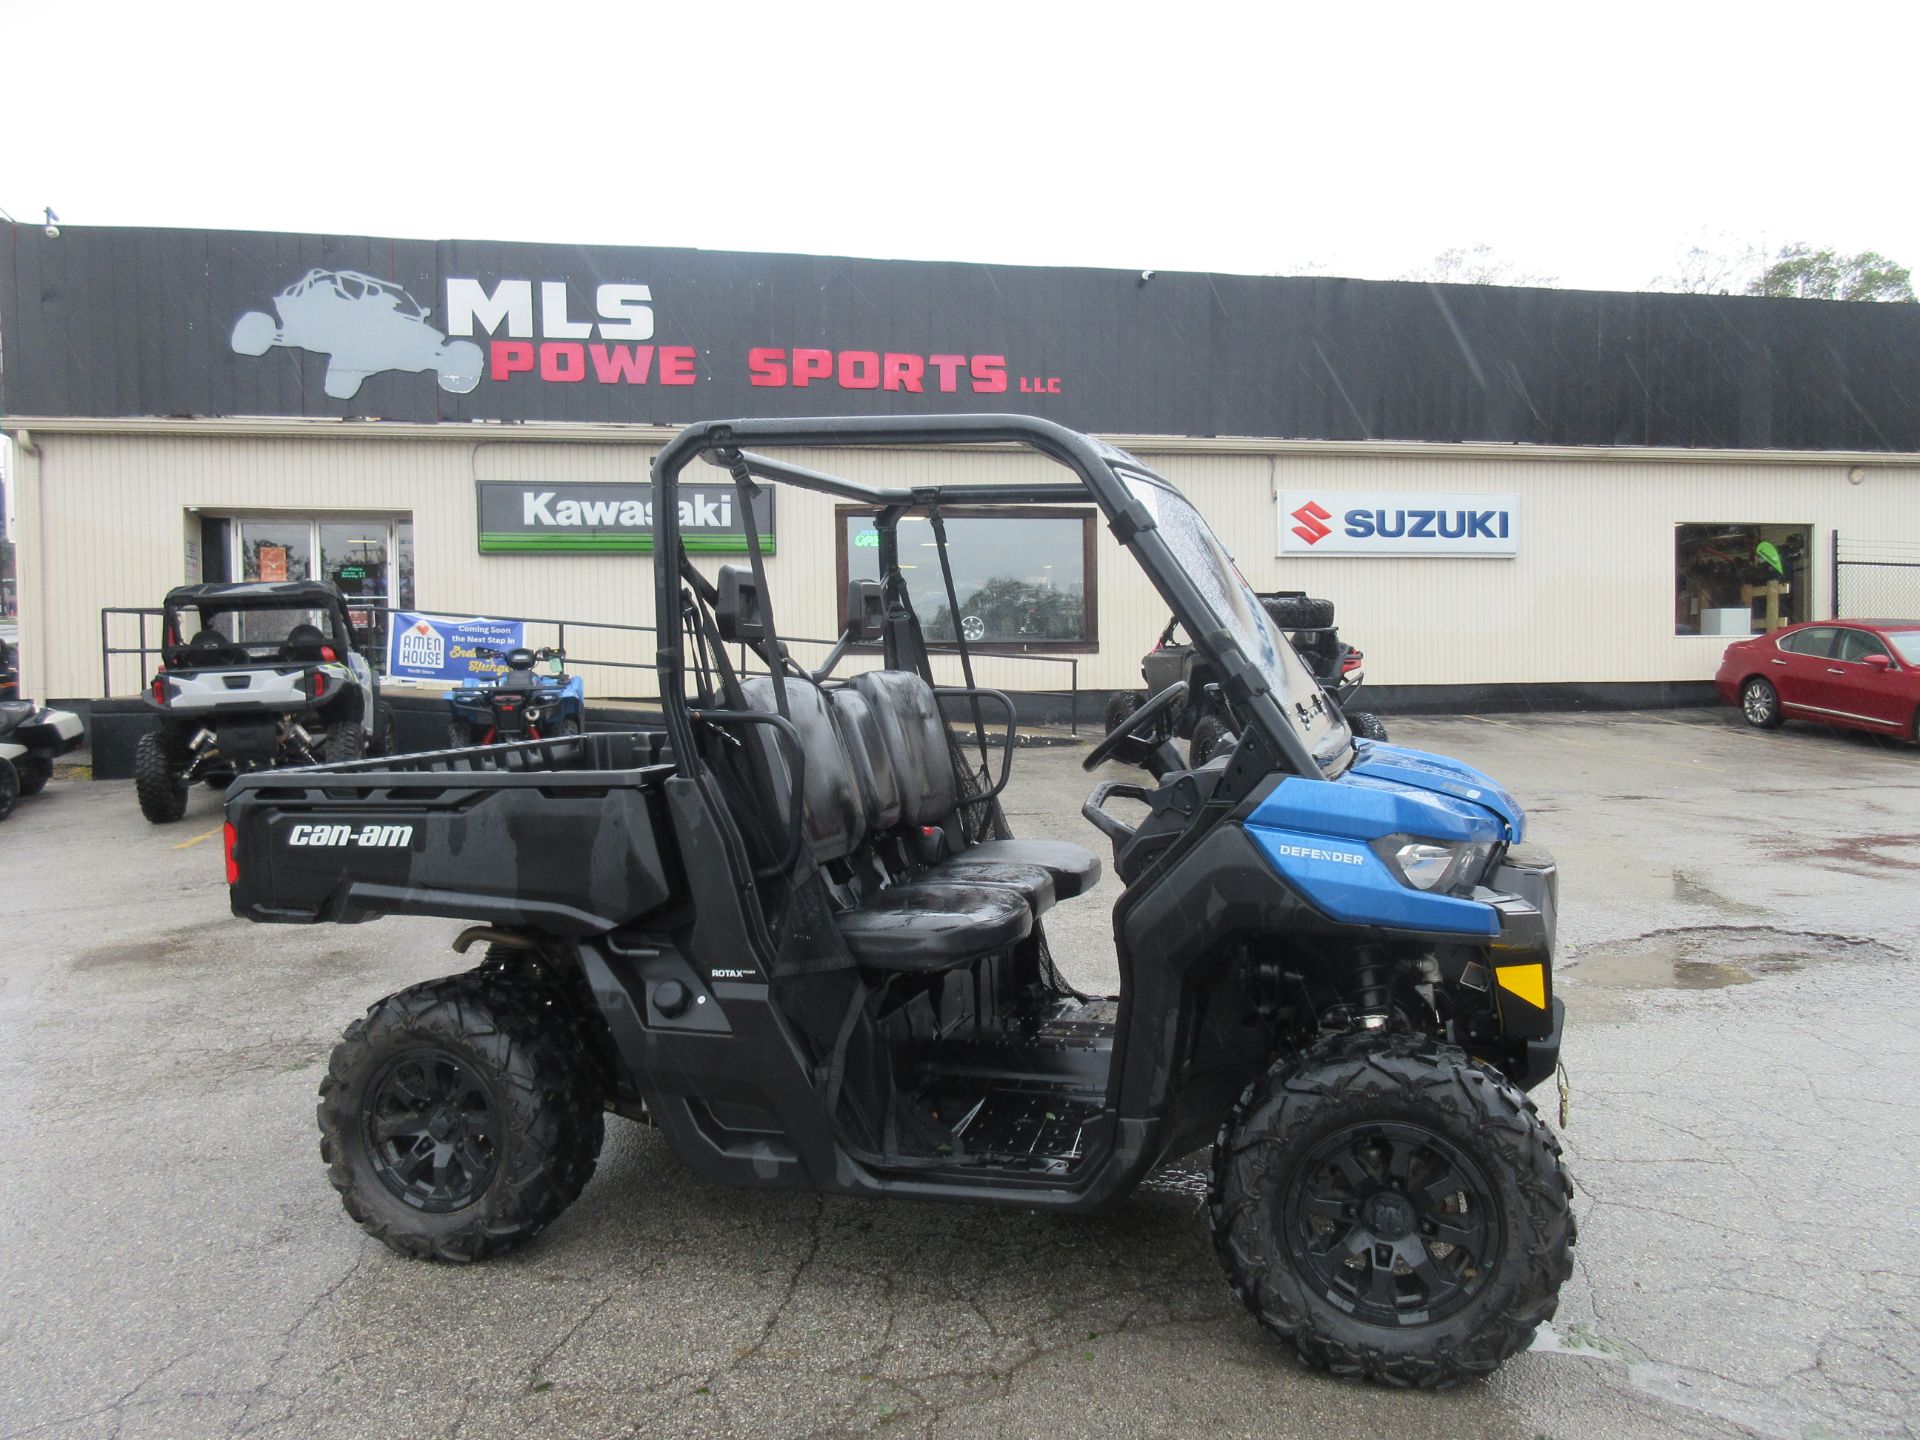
{"x": 275, "y": 549}
{"x": 1741, "y": 579}
{"x": 370, "y": 559}
{"x": 1023, "y": 577}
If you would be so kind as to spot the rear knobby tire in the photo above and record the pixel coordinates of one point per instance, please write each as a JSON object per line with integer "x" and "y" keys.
{"x": 1120, "y": 708}
{"x": 157, "y": 781}
{"x": 1335, "y": 1122}
{"x": 516, "y": 1107}
{"x": 9, "y": 787}
{"x": 344, "y": 741}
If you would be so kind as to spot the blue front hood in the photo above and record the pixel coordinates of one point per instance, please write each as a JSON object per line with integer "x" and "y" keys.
{"x": 1424, "y": 770}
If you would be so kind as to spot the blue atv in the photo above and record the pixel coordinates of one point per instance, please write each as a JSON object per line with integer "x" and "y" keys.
{"x": 790, "y": 927}
{"x": 519, "y": 704}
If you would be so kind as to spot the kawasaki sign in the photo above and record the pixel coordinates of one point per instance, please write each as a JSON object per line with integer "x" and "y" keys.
{"x": 1350, "y": 523}
{"x": 516, "y": 518}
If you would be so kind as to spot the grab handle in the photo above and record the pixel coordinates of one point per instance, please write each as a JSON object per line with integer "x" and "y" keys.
{"x": 1114, "y": 828}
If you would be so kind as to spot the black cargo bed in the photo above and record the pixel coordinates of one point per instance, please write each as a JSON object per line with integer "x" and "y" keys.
{"x": 560, "y": 834}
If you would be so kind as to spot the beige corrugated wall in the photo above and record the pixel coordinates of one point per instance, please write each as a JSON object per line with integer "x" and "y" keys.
{"x": 102, "y": 520}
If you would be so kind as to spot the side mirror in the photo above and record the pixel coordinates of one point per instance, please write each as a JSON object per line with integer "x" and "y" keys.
{"x": 865, "y": 617}
{"x": 1882, "y": 663}
{"x": 739, "y": 614}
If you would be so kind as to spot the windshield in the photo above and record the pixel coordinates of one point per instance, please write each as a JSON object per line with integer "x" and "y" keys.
{"x": 1237, "y": 610}
{"x": 1906, "y": 644}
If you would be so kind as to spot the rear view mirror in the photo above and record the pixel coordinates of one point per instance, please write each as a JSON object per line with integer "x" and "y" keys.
{"x": 739, "y": 614}
{"x": 1882, "y": 663}
{"x": 865, "y": 616}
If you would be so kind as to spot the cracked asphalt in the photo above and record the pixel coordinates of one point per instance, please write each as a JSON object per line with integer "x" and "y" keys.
{"x": 1738, "y": 930}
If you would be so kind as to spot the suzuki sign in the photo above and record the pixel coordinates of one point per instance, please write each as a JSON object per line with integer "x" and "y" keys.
{"x": 1324, "y": 522}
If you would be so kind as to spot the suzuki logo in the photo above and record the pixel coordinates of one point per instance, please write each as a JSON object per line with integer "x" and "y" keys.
{"x": 1312, "y": 527}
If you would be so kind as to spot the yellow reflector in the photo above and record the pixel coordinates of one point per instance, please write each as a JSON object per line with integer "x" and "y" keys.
{"x": 1529, "y": 982}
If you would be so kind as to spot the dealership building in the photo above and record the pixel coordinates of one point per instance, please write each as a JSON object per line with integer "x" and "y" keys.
{"x": 1514, "y": 496}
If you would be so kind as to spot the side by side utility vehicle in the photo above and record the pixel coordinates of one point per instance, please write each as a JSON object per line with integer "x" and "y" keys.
{"x": 254, "y": 674}
{"x": 791, "y": 929}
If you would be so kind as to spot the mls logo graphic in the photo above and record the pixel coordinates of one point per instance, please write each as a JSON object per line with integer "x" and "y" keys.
{"x": 1313, "y": 522}
{"x": 423, "y": 647}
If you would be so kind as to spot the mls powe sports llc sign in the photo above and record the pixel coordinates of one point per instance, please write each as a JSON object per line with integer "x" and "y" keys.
{"x": 597, "y": 517}
{"x": 1349, "y": 523}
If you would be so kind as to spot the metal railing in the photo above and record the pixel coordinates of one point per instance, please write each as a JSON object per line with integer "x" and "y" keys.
{"x": 991, "y": 669}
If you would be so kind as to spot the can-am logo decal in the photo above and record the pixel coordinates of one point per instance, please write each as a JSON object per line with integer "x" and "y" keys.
{"x": 1373, "y": 523}
{"x": 363, "y": 325}
{"x": 367, "y": 837}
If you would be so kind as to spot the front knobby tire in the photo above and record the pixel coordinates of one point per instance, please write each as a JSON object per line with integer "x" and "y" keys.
{"x": 457, "y": 1120}
{"x": 1391, "y": 1210}
{"x": 157, "y": 781}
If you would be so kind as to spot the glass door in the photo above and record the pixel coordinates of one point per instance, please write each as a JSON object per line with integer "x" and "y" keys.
{"x": 354, "y": 556}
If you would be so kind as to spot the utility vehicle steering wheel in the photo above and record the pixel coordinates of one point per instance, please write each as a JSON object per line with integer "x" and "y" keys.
{"x": 1133, "y": 724}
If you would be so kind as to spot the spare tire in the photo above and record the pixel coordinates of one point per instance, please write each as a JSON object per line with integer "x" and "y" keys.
{"x": 1298, "y": 612}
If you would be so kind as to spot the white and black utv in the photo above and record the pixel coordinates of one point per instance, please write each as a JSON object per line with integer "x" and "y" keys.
{"x": 793, "y": 929}
{"x": 254, "y": 675}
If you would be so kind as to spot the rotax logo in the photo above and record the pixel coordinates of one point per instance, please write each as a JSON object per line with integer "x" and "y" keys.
{"x": 1358, "y": 523}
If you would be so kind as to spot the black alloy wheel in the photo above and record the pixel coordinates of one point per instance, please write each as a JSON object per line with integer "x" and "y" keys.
{"x": 432, "y": 1130}
{"x": 1394, "y": 1219}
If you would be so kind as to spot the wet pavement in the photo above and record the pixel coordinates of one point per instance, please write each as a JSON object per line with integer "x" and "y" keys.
{"x": 1739, "y": 930}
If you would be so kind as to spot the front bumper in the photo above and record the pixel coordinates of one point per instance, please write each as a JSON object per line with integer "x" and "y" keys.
{"x": 1524, "y": 891}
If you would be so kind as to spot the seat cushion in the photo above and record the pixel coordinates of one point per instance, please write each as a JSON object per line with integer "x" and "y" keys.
{"x": 872, "y": 764}
{"x": 1074, "y": 870}
{"x": 907, "y": 715}
{"x": 926, "y": 927}
{"x": 1032, "y": 883}
{"x": 833, "y": 820}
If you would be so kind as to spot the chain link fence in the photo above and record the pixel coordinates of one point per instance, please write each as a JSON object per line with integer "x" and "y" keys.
{"x": 1876, "y": 579}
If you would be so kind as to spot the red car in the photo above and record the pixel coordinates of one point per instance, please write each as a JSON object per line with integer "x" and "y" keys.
{"x": 1860, "y": 674}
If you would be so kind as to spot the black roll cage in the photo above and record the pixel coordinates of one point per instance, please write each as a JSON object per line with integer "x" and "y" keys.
{"x": 1098, "y": 465}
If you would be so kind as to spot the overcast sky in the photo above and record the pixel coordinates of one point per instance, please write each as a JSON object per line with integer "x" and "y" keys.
{"x": 1591, "y": 144}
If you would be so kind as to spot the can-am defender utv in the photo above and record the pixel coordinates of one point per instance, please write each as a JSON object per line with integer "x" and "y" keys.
{"x": 253, "y": 675}
{"x": 792, "y": 930}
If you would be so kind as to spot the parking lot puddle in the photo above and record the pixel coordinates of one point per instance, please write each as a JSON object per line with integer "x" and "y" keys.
{"x": 1706, "y": 957}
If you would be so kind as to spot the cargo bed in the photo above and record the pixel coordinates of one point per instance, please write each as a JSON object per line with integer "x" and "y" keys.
{"x": 557, "y": 834}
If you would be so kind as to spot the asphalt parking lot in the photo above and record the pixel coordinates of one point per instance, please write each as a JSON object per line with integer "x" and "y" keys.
{"x": 1739, "y": 929}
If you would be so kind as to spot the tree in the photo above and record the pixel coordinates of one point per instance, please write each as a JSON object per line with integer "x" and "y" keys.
{"x": 1801, "y": 272}
{"x": 1699, "y": 270}
{"x": 1477, "y": 266}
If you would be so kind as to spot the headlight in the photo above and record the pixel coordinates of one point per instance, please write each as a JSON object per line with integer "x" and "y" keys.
{"x": 1440, "y": 865}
